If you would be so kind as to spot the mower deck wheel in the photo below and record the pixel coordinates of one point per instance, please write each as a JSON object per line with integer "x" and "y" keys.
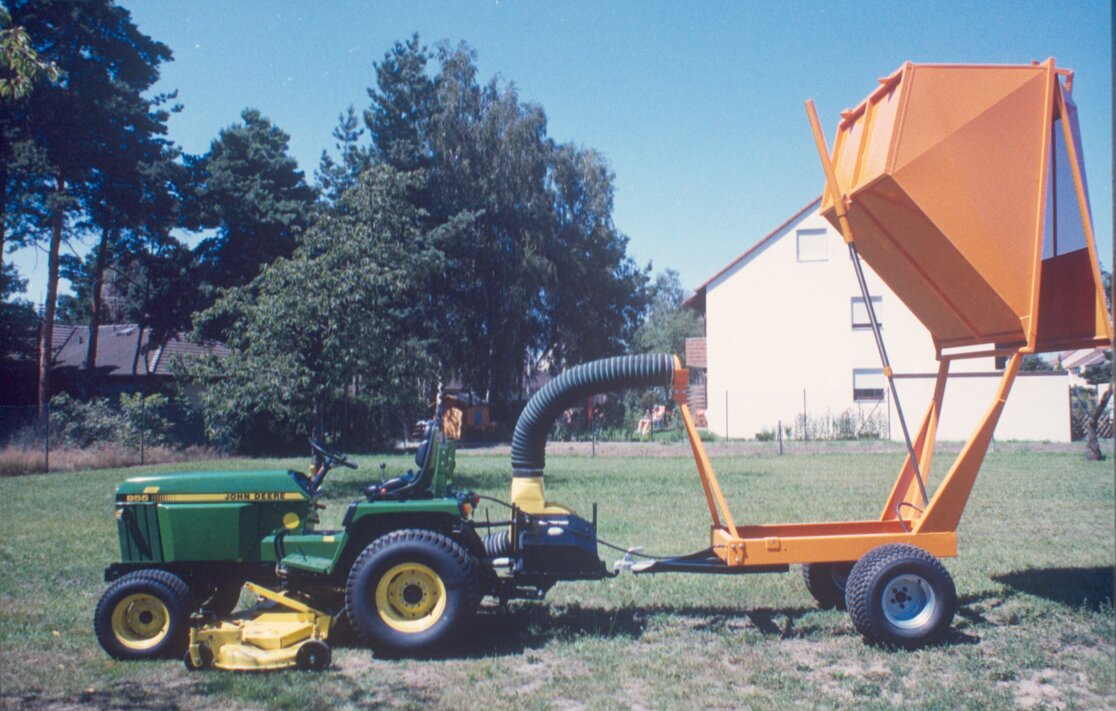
{"x": 313, "y": 655}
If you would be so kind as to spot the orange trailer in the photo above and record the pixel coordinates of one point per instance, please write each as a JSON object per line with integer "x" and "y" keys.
{"x": 963, "y": 188}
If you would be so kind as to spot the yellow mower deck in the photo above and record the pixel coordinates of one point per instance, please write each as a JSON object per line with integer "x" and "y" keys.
{"x": 265, "y": 637}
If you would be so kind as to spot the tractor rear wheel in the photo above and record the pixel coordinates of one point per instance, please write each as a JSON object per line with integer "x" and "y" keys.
{"x": 901, "y": 595}
{"x": 411, "y": 592}
{"x": 826, "y": 582}
{"x": 144, "y": 615}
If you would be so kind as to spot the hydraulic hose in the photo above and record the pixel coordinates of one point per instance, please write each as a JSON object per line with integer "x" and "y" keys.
{"x": 609, "y": 374}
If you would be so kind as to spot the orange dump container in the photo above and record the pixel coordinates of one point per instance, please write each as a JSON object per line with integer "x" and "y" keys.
{"x": 967, "y": 195}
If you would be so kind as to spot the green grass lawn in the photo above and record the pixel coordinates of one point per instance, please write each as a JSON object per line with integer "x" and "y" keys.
{"x": 1035, "y": 625}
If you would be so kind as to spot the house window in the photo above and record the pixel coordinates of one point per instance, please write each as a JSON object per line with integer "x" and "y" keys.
{"x": 813, "y": 246}
{"x": 868, "y": 384}
{"x": 860, "y": 312}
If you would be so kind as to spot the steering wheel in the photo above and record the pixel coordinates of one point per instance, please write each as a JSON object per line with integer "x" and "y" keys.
{"x": 334, "y": 457}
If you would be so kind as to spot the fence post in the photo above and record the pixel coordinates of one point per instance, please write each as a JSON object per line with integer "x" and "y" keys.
{"x": 46, "y": 442}
{"x": 805, "y": 424}
{"x": 780, "y": 438}
{"x": 143, "y": 424}
{"x": 726, "y": 416}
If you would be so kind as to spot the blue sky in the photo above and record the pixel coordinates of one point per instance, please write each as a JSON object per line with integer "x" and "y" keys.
{"x": 697, "y": 105}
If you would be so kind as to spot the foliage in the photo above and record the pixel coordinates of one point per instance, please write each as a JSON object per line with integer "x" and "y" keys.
{"x": 1035, "y": 363}
{"x": 250, "y": 191}
{"x": 852, "y": 423}
{"x": 536, "y": 265}
{"x": 668, "y": 323}
{"x": 18, "y": 322}
{"x": 20, "y": 65}
{"x": 157, "y": 419}
{"x": 340, "y": 323}
{"x": 335, "y": 177}
{"x": 1099, "y": 373}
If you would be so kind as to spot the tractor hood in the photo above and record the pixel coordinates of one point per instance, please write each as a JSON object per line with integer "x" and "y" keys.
{"x": 207, "y": 487}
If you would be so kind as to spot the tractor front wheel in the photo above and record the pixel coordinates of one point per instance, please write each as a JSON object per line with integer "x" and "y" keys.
{"x": 410, "y": 592}
{"x": 901, "y": 595}
{"x": 144, "y": 615}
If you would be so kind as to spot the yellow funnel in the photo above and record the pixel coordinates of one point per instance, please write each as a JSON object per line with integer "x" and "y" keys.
{"x": 967, "y": 195}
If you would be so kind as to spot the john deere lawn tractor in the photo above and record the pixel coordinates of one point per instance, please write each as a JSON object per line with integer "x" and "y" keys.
{"x": 406, "y": 571}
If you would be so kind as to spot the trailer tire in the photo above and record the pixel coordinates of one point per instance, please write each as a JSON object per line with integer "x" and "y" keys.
{"x": 144, "y": 615}
{"x": 411, "y": 592}
{"x": 901, "y": 595}
{"x": 827, "y": 583}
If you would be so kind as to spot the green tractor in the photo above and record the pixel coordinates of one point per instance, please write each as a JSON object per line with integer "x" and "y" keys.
{"x": 406, "y": 571}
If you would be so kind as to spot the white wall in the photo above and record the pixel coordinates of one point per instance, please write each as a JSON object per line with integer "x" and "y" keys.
{"x": 1037, "y": 407}
{"x": 777, "y": 326}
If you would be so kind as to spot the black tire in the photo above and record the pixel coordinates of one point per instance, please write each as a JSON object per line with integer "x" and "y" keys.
{"x": 827, "y": 583}
{"x": 901, "y": 595}
{"x": 206, "y": 655}
{"x": 314, "y": 655}
{"x": 224, "y": 597}
{"x": 144, "y": 615}
{"x": 411, "y": 592}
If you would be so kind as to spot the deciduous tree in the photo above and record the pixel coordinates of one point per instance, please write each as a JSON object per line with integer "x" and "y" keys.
{"x": 344, "y": 318}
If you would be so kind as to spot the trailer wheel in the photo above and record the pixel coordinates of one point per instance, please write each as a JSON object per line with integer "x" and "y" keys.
{"x": 144, "y": 615}
{"x": 827, "y": 583}
{"x": 410, "y": 592}
{"x": 901, "y": 595}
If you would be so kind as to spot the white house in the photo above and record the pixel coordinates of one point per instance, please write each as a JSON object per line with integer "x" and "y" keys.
{"x": 787, "y": 335}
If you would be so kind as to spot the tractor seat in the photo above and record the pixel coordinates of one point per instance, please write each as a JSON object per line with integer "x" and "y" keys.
{"x": 413, "y": 482}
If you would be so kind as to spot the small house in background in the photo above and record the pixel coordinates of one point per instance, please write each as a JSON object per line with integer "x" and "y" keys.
{"x": 787, "y": 341}
{"x": 126, "y": 359}
{"x": 1076, "y": 362}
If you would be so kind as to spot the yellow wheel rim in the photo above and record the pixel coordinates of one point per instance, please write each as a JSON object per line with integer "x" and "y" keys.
{"x": 140, "y": 621}
{"x": 410, "y": 597}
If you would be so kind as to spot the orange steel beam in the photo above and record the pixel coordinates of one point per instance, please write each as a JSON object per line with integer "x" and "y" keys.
{"x": 945, "y": 509}
{"x": 1040, "y": 211}
{"x": 713, "y": 495}
{"x": 834, "y": 542}
{"x": 1079, "y": 187}
{"x": 905, "y": 488}
{"x": 830, "y": 175}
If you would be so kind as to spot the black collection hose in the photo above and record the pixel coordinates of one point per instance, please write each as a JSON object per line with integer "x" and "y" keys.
{"x": 528, "y": 453}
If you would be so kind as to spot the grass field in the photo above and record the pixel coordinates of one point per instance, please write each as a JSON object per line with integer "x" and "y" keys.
{"x": 1035, "y": 626}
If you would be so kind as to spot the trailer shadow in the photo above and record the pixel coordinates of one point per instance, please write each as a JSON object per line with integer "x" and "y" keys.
{"x": 514, "y": 630}
{"x": 1087, "y": 588}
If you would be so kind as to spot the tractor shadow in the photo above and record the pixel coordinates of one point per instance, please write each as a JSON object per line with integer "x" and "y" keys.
{"x": 1081, "y": 588}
